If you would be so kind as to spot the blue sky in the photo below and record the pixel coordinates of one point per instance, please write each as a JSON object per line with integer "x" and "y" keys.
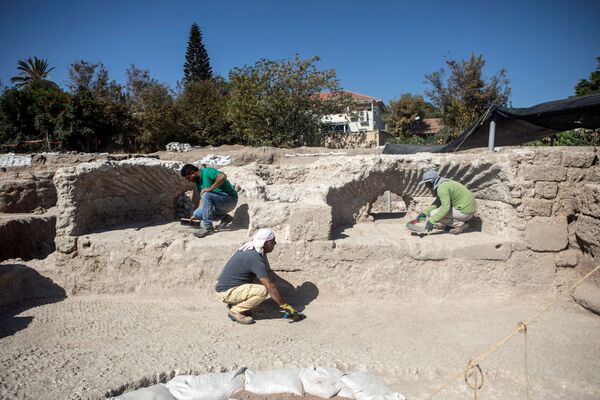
{"x": 380, "y": 48}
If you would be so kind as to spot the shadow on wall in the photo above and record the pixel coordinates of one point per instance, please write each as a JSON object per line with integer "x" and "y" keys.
{"x": 350, "y": 202}
{"x": 298, "y": 296}
{"x": 22, "y": 288}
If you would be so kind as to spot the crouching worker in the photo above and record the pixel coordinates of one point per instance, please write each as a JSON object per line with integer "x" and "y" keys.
{"x": 453, "y": 206}
{"x": 217, "y": 197}
{"x": 236, "y": 286}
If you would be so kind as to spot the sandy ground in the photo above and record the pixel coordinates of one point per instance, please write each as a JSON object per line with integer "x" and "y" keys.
{"x": 87, "y": 347}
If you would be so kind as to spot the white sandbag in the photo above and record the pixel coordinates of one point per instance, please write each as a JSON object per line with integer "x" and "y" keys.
{"x": 366, "y": 386}
{"x": 321, "y": 382}
{"x": 217, "y": 386}
{"x": 345, "y": 392}
{"x": 274, "y": 381}
{"x": 156, "y": 392}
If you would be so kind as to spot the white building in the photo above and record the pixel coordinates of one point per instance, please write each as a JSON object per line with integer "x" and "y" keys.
{"x": 368, "y": 117}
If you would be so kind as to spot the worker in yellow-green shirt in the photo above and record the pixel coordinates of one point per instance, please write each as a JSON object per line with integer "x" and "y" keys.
{"x": 454, "y": 204}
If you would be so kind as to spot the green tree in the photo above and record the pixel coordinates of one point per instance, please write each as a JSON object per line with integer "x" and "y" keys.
{"x": 203, "y": 105}
{"x": 31, "y": 112}
{"x": 197, "y": 63}
{"x": 97, "y": 118}
{"x": 154, "y": 110}
{"x": 31, "y": 71}
{"x": 277, "y": 103}
{"x": 465, "y": 95}
{"x": 407, "y": 113}
{"x": 591, "y": 85}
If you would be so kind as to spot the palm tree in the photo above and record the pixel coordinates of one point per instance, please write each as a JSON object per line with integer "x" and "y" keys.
{"x": 31, "y": 71}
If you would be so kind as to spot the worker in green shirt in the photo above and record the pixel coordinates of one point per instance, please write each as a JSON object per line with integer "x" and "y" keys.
{"x": 217, "y": 197}
{"x": 454, "y": 204}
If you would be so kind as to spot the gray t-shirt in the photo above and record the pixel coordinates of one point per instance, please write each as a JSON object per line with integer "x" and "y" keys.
{"x": 243, "y": 267}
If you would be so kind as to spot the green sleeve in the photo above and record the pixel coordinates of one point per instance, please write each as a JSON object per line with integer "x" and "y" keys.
{"x": 443, "y": 195}
{"x": 433, "y": 206}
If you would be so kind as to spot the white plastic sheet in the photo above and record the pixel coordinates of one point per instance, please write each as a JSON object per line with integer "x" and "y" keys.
{"x": 217, "y": 386}
{"x": 156, "y": 392}
{"x": 274, "y": 381}
{"x": 366, "y": 386}
{"x": 322, "y": 382}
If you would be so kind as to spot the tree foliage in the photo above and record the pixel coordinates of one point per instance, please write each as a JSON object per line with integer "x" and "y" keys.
{"x": 464, "y": 94}
{"x": 276, "y": 103}
{"x": 153, "y": 108}
{"x": 31, "y": 71}
{"x": 406, "y": 113}
{"x": 202, "y": 106}
{"x": 97, "y": 117}
{"x": 591, "y": 85}
{"x": 197, "y": 63}
{"x": 32, "y": 112}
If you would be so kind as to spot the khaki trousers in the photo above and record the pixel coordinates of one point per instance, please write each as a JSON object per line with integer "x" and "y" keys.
{"x": 244, "y": 297}
{"x": 454, "y": 218}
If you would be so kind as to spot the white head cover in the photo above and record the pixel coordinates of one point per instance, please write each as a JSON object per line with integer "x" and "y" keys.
{"x": 258, "y": 241}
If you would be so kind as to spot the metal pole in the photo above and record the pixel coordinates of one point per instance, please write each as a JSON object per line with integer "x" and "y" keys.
{"x": 389, "y": 199}
{"x": 492, "y": 135}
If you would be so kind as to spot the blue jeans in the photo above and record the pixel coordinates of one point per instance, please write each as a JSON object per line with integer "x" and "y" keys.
{"x": 214, "y": 207}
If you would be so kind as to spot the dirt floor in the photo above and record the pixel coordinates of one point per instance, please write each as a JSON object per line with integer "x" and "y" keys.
{"x": 86, "y": 347}
{"x": 97, "y": 346}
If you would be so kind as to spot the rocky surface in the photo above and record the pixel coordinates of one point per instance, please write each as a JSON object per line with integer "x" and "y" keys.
{"x": 411, "y": 309}
{"x": 89, "y": 347}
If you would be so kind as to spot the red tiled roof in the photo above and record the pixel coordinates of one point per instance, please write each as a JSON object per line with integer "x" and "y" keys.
{"x": 355, "y": 96}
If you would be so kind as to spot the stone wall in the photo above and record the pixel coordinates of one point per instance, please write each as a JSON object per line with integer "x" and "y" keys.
{"x": 538, "y": 208}
{"x": 110, "y": 194}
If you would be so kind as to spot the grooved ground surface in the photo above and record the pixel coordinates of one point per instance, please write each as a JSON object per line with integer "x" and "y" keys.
{"x": 85, "y": 347}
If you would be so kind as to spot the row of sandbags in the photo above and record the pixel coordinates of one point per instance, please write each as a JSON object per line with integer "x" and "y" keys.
{"x": 317, "y": 381}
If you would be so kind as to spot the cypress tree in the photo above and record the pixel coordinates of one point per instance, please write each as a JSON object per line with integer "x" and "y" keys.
{"x": 197, "y": 63}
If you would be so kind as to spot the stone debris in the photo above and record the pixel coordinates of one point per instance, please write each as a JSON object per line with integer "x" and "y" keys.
{"x": 178, "y": 147}
{"x": 331, "y": 153}
{"x": 13, "y": 160}
{"x": 214, "y": 159}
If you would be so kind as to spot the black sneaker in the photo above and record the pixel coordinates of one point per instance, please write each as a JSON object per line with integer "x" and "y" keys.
{"x": 204, "y": 231}
{"x": 226, "y": 221}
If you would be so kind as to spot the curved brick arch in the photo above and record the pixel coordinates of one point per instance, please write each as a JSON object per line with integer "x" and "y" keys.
{"x": 403, "y": 179}
{"x": 96, "y": 196}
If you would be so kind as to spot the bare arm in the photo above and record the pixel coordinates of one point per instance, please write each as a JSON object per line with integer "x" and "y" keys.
{"x": 272, "y": 289}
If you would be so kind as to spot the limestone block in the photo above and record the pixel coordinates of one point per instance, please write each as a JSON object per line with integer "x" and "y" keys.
{"x": 590, "y": 200}
{"x": 544, "y": 173}
{"x": 593, "y": 174}
{"x": 537, "y": 207}
{"x": 546, "y": 190}
{"x": 579, "y": 159}
{"x": 532, "y": 271}
{"x": 563, "y": 207}
{"x": 312, "y": 222}
{"x": 547, "y": 234}
{"x": 567, "y": 258}
{"x": 269, "y": 215}
{"x": 575, "y": 174}
{"x": 550, "y": 156}
{"x": 477, "y": 247}
{"x": 588, "y": 296}
{"x": 66, "y": 244}
{"x": 588, "y": 232}
{"x": 527, "y": 185}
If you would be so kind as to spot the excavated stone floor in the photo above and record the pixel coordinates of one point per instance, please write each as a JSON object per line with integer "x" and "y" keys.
{"x": 135, "y": 306}
{"x": 93, "y": 346}
{"x": 89, "y": 347}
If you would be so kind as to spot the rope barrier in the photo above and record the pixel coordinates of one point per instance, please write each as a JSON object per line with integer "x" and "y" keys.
{"x": 521, "y": 328}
